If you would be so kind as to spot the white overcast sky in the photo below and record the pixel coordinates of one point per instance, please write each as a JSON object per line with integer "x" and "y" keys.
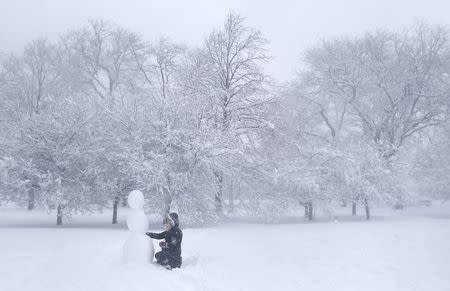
{"x": 290, "y": 25}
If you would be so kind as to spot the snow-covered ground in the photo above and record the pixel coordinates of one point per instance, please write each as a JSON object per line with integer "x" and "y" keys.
{"x": 407, "y": 250}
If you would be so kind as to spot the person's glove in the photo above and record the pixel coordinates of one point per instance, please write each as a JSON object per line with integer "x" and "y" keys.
{"x": 149, "y": 234}
{"x": 163, "y": 244}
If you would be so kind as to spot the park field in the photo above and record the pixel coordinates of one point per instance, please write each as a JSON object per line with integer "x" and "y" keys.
{"x": 397, "y": 250}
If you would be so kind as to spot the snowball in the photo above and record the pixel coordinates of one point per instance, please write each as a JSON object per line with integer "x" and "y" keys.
{"x": 138, "y": 249}
{"x": 137, "y": 221}
{"x": 136, "y": 199}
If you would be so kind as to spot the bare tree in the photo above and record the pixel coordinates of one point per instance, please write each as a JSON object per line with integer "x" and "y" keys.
{"x": 102, "y": 56}
{"x": 393, "y": 84}
{"x": 166, "y": 54}
{"x": 33, "y": 76}
{"x": 158, "y": 66}
{"x": 235, "y": 55}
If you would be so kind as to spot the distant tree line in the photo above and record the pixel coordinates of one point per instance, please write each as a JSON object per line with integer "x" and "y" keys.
{"x": 205, "y": 131}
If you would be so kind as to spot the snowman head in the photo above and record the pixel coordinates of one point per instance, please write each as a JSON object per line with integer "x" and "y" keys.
{"x": 136, "y": 199}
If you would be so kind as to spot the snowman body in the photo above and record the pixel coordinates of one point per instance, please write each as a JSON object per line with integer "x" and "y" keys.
{"x": 138, "y": 247}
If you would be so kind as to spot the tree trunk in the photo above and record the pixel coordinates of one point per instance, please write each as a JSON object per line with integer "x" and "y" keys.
{"x": 167, "y": 204}
{"x": 115, "y": 208}
{"x": 218, "y": 196}
{"x": 310, "y": 211}
{"x": 59, "y": 215}
{"x": 31, "y": 198}
{"x": 167, "y": 191}
{"x": 366, "y": 205}
{"x": 306, "y": 210}
{"x": 231, "y": 197}
{"x": 353, "y": 208}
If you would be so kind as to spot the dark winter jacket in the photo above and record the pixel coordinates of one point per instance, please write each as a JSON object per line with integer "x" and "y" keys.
{"x": 171, "y": 254}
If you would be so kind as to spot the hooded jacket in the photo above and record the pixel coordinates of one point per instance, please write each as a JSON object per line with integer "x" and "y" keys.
{"x": 173, "y": 238}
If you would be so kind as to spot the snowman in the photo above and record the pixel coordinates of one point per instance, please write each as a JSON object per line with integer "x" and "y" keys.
{"x": 138, "y": 248}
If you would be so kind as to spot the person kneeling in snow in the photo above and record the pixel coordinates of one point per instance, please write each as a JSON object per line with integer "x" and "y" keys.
{"x": 170, "y": 254}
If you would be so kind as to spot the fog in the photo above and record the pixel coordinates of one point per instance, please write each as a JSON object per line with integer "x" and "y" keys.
{"x": 290, "y": 25}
